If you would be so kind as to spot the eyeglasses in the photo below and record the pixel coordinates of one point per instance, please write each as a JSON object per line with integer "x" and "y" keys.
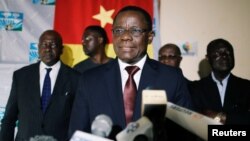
{"x": 44, "y": 45}
{"x": 135, "y": 32}
{"x": 223, "y": 53}
{"x": 169, "y": 57}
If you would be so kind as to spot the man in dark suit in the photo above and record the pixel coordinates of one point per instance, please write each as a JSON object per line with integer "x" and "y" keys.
{"x": 101, "y": 90}
{"x": 24, "y": 107}
{"x": 222, "y": 95}
{"x": 170, "y": 54}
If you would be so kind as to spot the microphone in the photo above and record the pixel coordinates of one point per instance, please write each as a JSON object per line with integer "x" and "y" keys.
{"x": 141, "y": 138}
{"x": 147, "y": 127}
{"x": 83, "y": 136}
{"x": 42, "y": 138}
{"x": 141, "y": 130}
{"x": 100, "y": 129}
{"x": 154, "y": 105}
{"x": 102, "y": 126}
{"x": 194, "y": 122}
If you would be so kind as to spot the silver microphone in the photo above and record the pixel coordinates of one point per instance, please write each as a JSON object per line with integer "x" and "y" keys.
{"x": 102, "y": 126}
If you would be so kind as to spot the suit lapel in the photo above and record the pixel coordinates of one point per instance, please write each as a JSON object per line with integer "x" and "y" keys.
{"x": 59, "y": 84}
{"x": 213, "y": 93}
{"x": 34, "y": 80}
{"x": 115, "y": 95}
{"x": 148, "y": 78}
{"x": 230, "y": 98}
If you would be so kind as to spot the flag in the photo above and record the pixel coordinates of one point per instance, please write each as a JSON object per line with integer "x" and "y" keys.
{"x": 72, "y": 17}
{"x": 23, "y": 21}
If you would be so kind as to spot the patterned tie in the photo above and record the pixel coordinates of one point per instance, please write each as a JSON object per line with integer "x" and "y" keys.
{"x": 130, "y": 92}
{"x": 46, "y": 93}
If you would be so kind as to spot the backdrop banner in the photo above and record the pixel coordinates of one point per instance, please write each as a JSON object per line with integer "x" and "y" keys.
{"x": 23, "y": 21}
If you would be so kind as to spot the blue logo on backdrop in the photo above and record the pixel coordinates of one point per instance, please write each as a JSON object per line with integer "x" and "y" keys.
{"x": 33, "y": 54}
{"x": 44, "y": 2}
{"x": 11, "y": 21}
{"x": 2, "y": 109}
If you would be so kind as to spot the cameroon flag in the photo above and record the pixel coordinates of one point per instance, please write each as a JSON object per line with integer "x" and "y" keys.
{"x": 73, "y": 16}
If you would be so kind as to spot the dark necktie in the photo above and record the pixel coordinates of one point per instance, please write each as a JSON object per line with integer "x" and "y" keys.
{"x": 46, "y": 92}
{"x": 130, "y": 92}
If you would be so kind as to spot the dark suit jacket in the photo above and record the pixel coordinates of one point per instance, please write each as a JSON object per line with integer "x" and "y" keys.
{"x": 206, "y": 96}
{"x": 100, "y": 92}
{"x": 24, "y": 105}
{"x": 85, "y": 65}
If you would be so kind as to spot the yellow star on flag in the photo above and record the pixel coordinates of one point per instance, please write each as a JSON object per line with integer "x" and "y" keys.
{"x": 104, "y": 16}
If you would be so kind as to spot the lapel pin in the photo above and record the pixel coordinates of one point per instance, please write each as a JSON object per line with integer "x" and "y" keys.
{"x": 66, "y": 93}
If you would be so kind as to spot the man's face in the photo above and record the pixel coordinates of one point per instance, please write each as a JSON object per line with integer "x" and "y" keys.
{"x": 131, "y": 36}
{"x": 90, "y": 42}
{"x": 170, "y": 57}
{"x": 49, "y": 49}
{"x": 221, "y": 59}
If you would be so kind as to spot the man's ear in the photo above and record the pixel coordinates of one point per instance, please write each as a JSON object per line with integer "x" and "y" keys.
{"x": 206, "y": 57}
{"x": 61, "y": 49}
{"x": 100, "y": 40}
{"x": 180, "y": 58}
{"x": 151, "y": 35}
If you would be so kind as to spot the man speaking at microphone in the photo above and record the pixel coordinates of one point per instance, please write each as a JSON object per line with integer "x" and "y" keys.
{"x": 115, "y": 88}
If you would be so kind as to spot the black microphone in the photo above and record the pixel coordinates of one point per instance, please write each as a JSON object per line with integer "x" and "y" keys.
{"x": 154, "y": 106}
{"x": 141, "y": 138}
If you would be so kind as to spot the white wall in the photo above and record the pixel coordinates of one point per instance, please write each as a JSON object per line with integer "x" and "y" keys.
{"x": 203, "y": 21}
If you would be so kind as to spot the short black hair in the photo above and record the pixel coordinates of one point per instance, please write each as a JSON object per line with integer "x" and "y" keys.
{"x": 55, "y": 33}
{"x": 99, "y": 30}
{"x": 219, "y": 43}
{"x": 146, "y": 15}
{"x": 171, "y": 45}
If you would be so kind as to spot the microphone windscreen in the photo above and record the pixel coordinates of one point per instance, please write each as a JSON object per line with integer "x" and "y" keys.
{"x": 102, "y": 126}
{"x": 42, "y": 138}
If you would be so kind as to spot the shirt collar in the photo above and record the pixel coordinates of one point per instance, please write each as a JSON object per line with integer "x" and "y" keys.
{"x": 139, "y": 64}
{"x": 54, "y": 67}
{"x": 217, "y": 81}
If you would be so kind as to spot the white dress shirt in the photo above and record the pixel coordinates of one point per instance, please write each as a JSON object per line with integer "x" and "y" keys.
{"x": 53, "y": 74}
{"x": 221, "y": 85}
{"x": 124, "y": 73}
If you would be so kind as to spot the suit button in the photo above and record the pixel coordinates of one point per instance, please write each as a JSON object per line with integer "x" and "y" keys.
{"x": 42, "y": 125}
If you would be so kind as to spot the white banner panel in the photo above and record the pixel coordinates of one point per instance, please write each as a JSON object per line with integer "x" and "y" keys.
{"x": 21, "y": 23}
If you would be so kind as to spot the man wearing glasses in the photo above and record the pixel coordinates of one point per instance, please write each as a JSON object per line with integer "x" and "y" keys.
{"x": 170, "y": 54}
{"x": 103, "y": 90}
